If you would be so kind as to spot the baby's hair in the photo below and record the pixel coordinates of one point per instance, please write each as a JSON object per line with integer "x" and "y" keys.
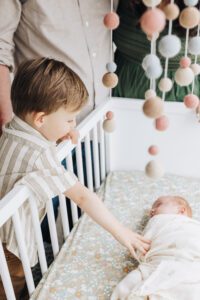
{"x": 44, "y": 85}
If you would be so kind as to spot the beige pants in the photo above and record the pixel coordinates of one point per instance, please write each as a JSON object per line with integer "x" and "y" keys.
{"x": 16, "y": 274}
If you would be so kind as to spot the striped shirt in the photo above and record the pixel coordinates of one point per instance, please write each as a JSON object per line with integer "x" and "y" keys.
{"x": 28, "y": 158}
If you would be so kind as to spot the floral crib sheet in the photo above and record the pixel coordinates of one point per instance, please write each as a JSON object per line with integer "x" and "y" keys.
{"x": 91, "y": 262}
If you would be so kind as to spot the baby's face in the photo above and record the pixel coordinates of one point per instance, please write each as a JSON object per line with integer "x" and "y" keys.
{"x": 167, "y": 205}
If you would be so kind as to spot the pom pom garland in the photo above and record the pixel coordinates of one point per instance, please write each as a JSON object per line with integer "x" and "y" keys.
{"x": 111, "y": 20}
{"x": 169, "y": 46}
{"x": 153, "y": 150}
{"x": 153, "y": 21}
{"x": 154, "y": 169}
{"x": 191, "y": 101}
{"x": 153, "y": 107}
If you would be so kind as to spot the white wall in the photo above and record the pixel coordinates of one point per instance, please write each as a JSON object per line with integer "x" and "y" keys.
{"x": 179, "y": 145}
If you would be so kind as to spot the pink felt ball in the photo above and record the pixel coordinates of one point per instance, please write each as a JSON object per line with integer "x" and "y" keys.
{"x": 111, "y": 20}
{"x": 162, "y": 123}
{"x": 152, "y": 21}
{"x": 153, "y": 150}
{"x": 185, "y": 62}
{"x": 191, "y": 101}
{"x": 109, "y": 115}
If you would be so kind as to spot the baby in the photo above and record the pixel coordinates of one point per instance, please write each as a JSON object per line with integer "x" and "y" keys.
{"x": 175, "y": 249}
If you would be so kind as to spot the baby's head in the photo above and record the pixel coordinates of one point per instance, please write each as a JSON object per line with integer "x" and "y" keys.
{"x": 171, "y": 205}
{"x": 48, "y": 96}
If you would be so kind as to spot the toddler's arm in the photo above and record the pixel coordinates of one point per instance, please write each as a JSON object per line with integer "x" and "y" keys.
{"x": 95, "y": 208}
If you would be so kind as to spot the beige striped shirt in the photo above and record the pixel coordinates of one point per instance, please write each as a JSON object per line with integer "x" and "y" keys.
{"x": 26, "y": 157}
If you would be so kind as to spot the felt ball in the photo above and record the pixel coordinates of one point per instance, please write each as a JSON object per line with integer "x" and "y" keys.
{"x": 154, "y": 71}
{"x": 110, "y": 80}
{"x": 153, "y": 20}
{"x": 184, "y": 76}
{"x": 153, "y": 107}
{"x": 150, "y": 60}
{"x": 191, "y": 101}
{"x": 171, "y": 11}
{"x": 190, "y": 2}
{"x": 169, "y": 46}
{"x": 151, "y": 3}
{"x": 111, "y": 67}
{"x": 109, "y": 115}
{"x": 109, "y": 125}
{"x": 154, "y": 169}
{"x": 189, "y": 17}
{"x": 162, "y": 123}
{"x": 111, "y": 20}
{"x": 185, "y": 62}
{"x": 194, "y": 45}
{"x": 153, "y": 150}
{"x": 165, "y": 84}
{"x": 150, "y": 94}
{"x": 196, "y": 69}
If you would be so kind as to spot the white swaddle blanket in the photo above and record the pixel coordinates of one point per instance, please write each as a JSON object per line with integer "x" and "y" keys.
{"x": 171, "y": 269}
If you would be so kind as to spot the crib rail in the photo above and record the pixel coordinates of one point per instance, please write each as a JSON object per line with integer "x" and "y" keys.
{"x": 89, "y": 158}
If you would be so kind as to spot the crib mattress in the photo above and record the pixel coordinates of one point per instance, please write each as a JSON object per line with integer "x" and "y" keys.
{"x": 91, "y": 262}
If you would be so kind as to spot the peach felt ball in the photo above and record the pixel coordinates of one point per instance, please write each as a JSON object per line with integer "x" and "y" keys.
{"x": 109, "y": 115}
{"x": 153, "y": 150}
{"x": 111, "y": 20}
{"x": 152, "y": 21}
{"x": 191, "y": 101}
{"x": 110, "y": 80}
{"x": 153, "y": 107}
{"x": 162, "y": 123}
{"x": 189, "y": 17}
{"x": 185, "y": 62}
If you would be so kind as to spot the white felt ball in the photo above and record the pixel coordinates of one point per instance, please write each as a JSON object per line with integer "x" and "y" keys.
{"x": 169, "y": 46}
{"x": 165, "y": 84}
{"x": 154, "y": 71}
{"x": 109, "y": 125}
{"x": 111, "y": 67}
{"x": 184, "y": 76}
{"x": 196, "y": 69}
{"x": 194, "y": 45}
{"x": 190, "y": 2}
{"x": 149, "y": 94}
{"x": 154, "y": 169}
{"x": 150, "y": 3}
{"x": 150, "y": 60}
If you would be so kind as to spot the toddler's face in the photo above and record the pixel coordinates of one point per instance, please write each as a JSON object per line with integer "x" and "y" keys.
{"x": 168, "y": 205}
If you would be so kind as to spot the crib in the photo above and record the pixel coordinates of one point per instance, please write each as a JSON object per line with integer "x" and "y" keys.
{"x": 115, "y": 169}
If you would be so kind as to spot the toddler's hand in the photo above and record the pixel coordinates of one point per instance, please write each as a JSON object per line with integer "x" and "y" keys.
{"x": 73, "y": 135}
{"x": 133, "y": 241}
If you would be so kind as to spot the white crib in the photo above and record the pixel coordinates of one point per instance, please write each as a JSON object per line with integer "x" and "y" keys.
{"x": 125, "y": 149}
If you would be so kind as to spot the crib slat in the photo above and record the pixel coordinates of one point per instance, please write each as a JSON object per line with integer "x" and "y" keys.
{"x": 88, "y": 162}
{"x": 23, "y": 252}
{"x": 74, "y": 208}
{"x": 5, "y": 275}
{"x": 64, "y": 215}
{"x": 102, "y": 151}
{"x": 52, "y": 228}
{"x": 69, "y": 162}
{"x": 38, "y": 235}
{"x": 96, "y": 158}
{"x": 79, "y": 163}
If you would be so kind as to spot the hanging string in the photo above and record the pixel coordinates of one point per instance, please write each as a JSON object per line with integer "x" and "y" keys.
{"x": 195, "y": 61}
{"x": 111, "y": 45}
